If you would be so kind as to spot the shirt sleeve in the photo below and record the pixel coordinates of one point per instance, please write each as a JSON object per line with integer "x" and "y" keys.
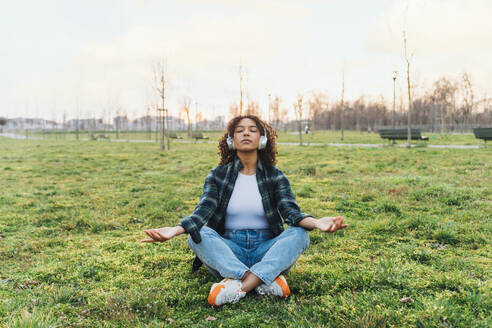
{"x": 286, "y": 202}
{"x": 203, "y": 211}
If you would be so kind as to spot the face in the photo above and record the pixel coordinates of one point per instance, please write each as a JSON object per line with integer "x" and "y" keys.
{"x": 246, "y": 135}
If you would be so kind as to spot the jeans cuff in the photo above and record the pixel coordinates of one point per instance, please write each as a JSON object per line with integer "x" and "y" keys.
{"x": 265, "y": 280}
{"x": 240, "y": 275}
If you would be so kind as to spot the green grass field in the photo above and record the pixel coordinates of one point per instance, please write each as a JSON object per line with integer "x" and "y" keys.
{"x": 72, "y": 214}
{"x": 325, "y": 136}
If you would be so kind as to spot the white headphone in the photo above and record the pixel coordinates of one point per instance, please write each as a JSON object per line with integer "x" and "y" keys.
{"x": 261, "y": 145}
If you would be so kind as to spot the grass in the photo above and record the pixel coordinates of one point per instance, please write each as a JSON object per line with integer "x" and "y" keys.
{"x": 325, "y": 136}
{"x": 72, "y": 213}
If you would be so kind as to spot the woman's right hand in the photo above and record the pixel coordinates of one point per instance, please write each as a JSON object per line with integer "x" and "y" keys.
{"x": 162, "y": 234}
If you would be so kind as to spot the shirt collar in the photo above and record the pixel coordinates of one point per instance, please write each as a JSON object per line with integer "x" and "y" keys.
{"x": 238, "y": 165}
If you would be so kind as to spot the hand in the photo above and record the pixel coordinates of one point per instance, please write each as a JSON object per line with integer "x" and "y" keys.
{"x": 160, "y": 235}
{"x": 328, "y": 224}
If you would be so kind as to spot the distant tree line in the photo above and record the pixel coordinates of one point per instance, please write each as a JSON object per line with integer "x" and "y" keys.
{"x": 449, "y": 105}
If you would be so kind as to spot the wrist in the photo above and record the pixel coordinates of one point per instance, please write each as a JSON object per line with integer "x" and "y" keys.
{"x": 178, "y": 230}
{"x": 309, "y": 223}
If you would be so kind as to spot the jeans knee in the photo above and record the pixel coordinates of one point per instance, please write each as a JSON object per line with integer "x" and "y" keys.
{"x": 301, "y": 234}
{"x": 207, "y": 231}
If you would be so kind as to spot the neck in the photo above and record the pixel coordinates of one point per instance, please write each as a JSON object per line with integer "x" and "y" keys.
{"x": 249, "y": 160}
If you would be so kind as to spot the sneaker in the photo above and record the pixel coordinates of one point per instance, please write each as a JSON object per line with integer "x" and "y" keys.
{"x": 226, "y": 291}
{"x": 278, "y": 287}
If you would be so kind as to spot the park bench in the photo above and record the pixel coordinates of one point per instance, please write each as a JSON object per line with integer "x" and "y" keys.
{"x": 103, "y": 136}
{"x": 401, "y": 134}
{"x": 173, "y": 135}
{"x": 483, "y": 134}
{"x": 99, "y": 136}
{"x": 198, "y": 135}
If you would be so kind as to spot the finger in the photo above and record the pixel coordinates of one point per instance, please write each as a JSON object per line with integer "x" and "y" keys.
{"x": 147, "y": 241}
{"x": 151, "y": 234}
{"x": 155, "y": 235}
{"x": 342, "y": 227}
{"x": 161, "y": 237}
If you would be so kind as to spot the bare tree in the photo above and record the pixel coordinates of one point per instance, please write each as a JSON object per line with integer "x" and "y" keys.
{"x": 64, "y": 123}
{"x": 298, "y": 113}
{"x": 275, "y": 117}
{"x": 444, "y": 94}
{"x": 468, "y": 106}
{"x": 160, "y": 87}
{"x": 186, "y": 108}
{"x": 234, "y": 110}
{"x": 316, "y": 103}
{"x": 253, "y": 108}
{"x": 407, "y": 60}
{"x": 342, "y": 105}
{"x": 240, "y": 87}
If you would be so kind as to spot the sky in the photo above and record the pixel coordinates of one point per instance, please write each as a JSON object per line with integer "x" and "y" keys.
{"x": 90, "y": 58}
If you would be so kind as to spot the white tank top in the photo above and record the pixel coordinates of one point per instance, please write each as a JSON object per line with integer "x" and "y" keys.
{"x": 245, "y": 209}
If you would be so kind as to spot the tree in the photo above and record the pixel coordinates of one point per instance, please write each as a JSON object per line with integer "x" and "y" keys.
{"x": 298, "y": 114}
{"x": 316, "y": 105}
{"x": 186, "y": 108}
{"x": 443, "y": 94}
{"x": 253, "y": 108}
{"x": 160, "y": 87}
{"x": 275, "y": 117}
{"x": 468, "y": 105}
{"x": 407, "y": 60}
{"x": 341, "y": 104}
{"x": 234, "y": 110}
{"x": 3, "y": 121}
{"x": 240, "y": 87}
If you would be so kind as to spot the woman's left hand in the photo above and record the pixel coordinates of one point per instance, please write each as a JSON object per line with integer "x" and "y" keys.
{"x": 330, "y": 224}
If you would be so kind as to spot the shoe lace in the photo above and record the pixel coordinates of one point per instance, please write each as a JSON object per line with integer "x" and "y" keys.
{"x": 234, "y": 298}
{"x": 262, "y": 289}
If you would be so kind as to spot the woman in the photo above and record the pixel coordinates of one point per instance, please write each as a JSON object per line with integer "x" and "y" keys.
{"x": 242, "y": 201}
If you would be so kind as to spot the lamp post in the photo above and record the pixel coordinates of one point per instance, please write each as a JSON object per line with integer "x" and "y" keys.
{"x": 395, "y": 74}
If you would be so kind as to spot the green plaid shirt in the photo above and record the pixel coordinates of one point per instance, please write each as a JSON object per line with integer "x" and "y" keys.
{"x": 276, "y": 195}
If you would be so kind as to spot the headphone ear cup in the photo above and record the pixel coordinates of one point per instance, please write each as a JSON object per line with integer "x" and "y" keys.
{"x": 263, "y": 142}
{"x": 230, "y": 143}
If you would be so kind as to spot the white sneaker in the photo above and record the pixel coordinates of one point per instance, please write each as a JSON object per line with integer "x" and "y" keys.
{"x": 226, "y": 291}
{"x": 278, "y": 287}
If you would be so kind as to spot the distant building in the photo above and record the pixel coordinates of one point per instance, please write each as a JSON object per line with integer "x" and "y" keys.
{"x": 86, "y": 124}
{"x": 21, "y": 123}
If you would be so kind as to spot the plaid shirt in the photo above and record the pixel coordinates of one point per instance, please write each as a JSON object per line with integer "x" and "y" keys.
{"x": 276, "y": 195}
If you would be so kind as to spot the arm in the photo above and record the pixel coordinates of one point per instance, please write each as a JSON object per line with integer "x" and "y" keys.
{"x": 193, "y": 223}
{"x": 326, "y": 224}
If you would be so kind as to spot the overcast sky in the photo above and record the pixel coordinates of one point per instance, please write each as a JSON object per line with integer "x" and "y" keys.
{"x": 90, "y": 56}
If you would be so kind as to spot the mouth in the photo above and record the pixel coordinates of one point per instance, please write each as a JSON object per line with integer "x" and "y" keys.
{"x": 246, "y": 141}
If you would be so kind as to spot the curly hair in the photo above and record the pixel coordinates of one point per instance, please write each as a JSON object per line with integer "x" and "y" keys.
{"x": 268, "y": 155}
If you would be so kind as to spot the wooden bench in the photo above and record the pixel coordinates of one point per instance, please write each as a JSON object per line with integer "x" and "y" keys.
{"x": 483, "y": 134}
{"x": 198, "y": 135}
{"x": 401, "y": 134}
{"x": 99, "y": 136}
{"x": 173, "y": 135}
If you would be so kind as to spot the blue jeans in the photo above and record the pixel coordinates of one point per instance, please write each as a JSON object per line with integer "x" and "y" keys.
{"x": 257, "y": 251}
